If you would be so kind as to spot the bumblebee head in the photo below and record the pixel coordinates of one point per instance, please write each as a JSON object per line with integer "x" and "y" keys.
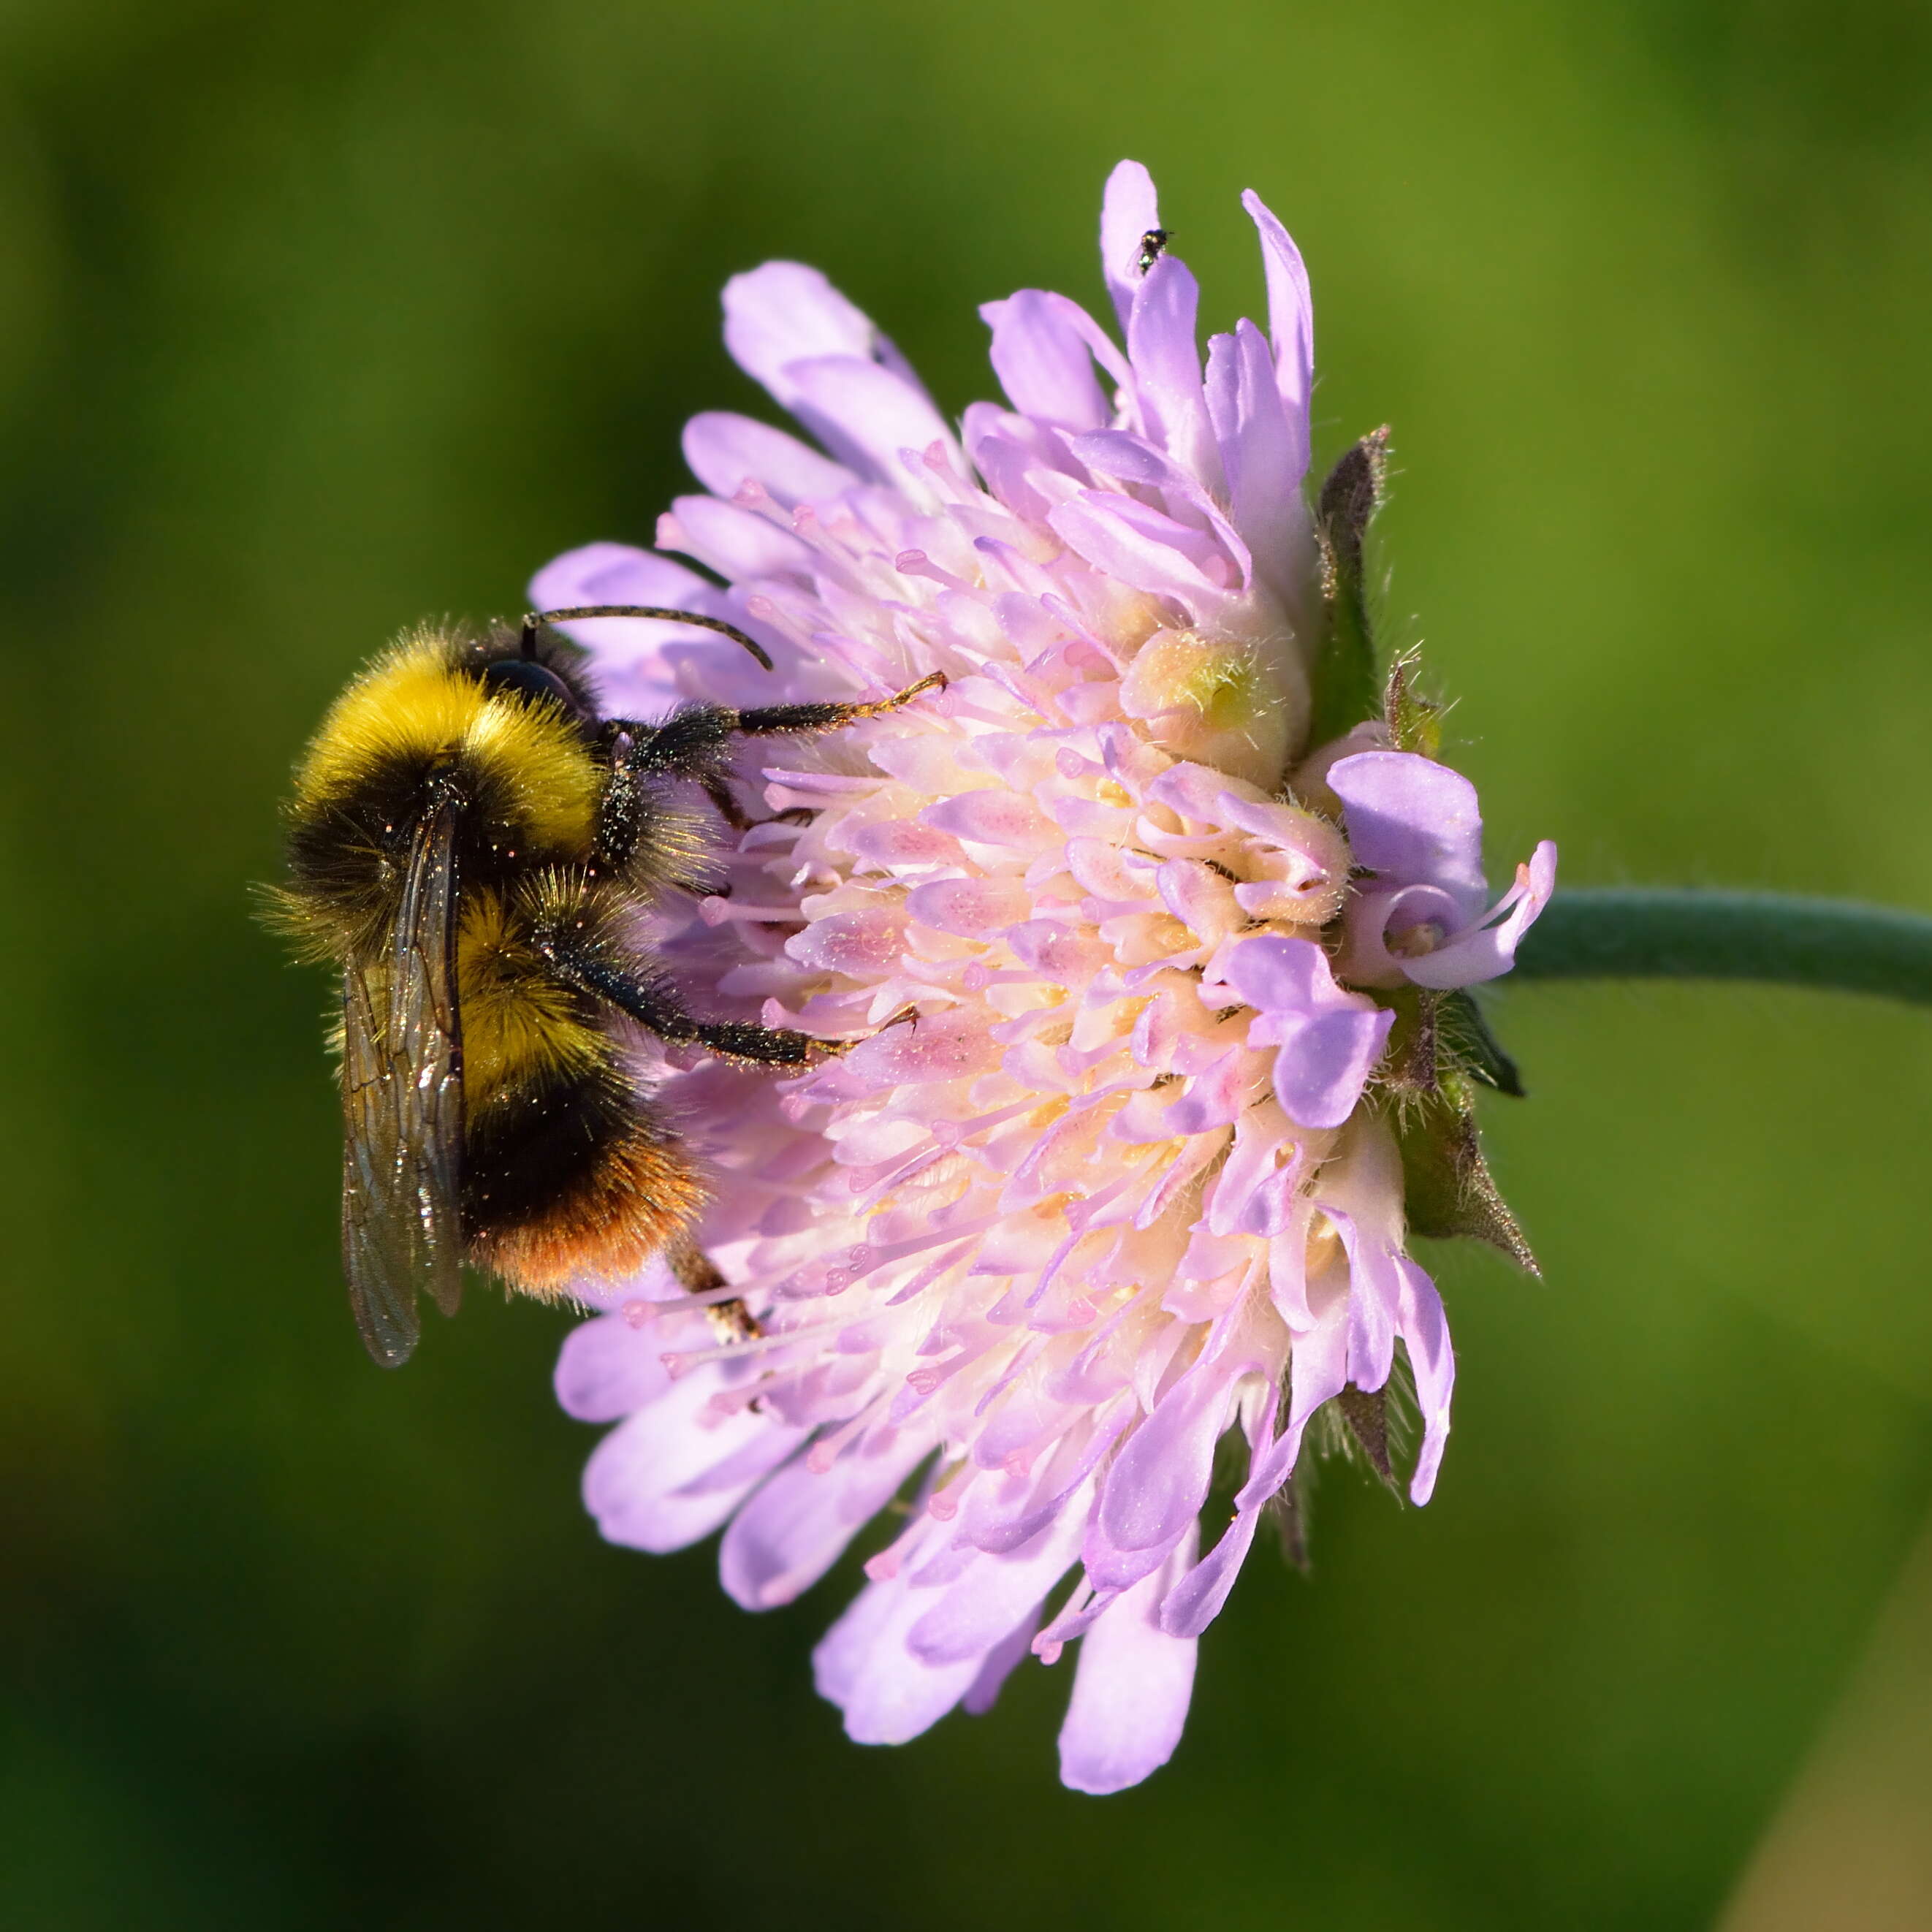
{"x": 538, "y": 668}
{"x": 535, "y": 683}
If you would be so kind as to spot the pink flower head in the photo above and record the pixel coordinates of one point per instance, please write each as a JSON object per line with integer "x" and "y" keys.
{"x": 1116, "y": 1194}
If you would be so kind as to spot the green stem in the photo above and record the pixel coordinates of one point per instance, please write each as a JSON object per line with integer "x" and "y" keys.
{"x": 1647, "y": 933}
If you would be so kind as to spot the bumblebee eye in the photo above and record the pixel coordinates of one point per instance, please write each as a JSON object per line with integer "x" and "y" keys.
{"x": 530, "y": 681}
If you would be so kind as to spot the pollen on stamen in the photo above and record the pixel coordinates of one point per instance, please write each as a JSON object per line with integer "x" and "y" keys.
{"x": 716, "y": 911}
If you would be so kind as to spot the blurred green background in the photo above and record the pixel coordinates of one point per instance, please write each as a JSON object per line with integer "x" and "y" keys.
{"x": 315, "y": 320}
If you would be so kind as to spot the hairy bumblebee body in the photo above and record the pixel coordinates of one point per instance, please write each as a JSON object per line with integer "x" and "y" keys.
{"x": 470, "y": 842}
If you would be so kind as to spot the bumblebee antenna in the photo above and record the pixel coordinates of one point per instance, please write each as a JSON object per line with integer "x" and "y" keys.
{"x": 537, "y": 618}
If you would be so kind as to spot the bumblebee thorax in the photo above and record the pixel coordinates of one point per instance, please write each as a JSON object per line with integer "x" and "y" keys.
{"x": 419, "y": 726}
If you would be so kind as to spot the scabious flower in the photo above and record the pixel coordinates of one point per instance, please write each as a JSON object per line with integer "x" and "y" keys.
{"x": 1130, "y": 1190}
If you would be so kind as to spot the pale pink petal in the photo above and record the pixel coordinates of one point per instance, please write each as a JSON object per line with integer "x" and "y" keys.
{"x": 971, "y": 1616}
{"x": 1131, "y": 1689}
{"x": 1488, "y": 951}
{"x": 614, "y": 573}
{"x": 726, "y": 451}
{"x": 1425, "y": 1330}
{"x": 889, "y": 1695}
{"x": 1374, "y": 1296}
{"x": 784, "y": 313}
{"x": 939, "y": 1046}
{"x": 798, "y": 1525}
{"x": 971, "y": 908}
{"x": 1412, "y": 821}
{"x": 993, "y": 816}
{"x": 1318, "y": 1372}
{"x": 1377, "y": 919}
{"x": 1128, "y": 210}
{"x": 644, "y": 1482}
{"x": 1198, "y": 792}
{"x": 1264, "y": 454}
{"x": 846, "y": 1650}
{"x": 1290, "y": 314}
{"x": 1010, "y": 1651}
{"x": 1328, "y": 1039}
{"x": 1126, "y": 458}
{"x": 733, "y": 542}
{"x": 1140, "y": 547}
{"x": 1159, "y": 1479}
{"x": 851, "y": 942}
{"x": 1166, "y": 357}
{"x": 612, "y": 1365}
{"x": 1361, "y": 1193}
{"x": 866, "y": 416}
{"x": 1043, "y": 364}
{"x": 1102, "y": 347}
{"x": 1198, "y": 1598}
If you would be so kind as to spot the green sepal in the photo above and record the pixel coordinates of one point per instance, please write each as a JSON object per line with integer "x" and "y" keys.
{"x": 1372, "y": 1430}
{"x": 1440, "y": 1033}
{"x": 1345, "y": 682}
{"x": 1469, "y": 1043}
{"x": 1439, "y": 1048}
{"x": 1447, "y": 1190}
{"x": 1412, "y": 1055}
{"x": 1414, "y": 724}
{"x": 1288, "y": 1509}
{"x": 1365, "y": 1412}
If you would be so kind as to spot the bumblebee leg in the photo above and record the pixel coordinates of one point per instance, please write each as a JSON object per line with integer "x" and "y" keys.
{"x": 727, "y": 807}
{"x": 775, "y": 718}
{"x": 731, "y": 1321}
{"x": 652, "y": 1004}
{"x": 694, "y": 744}
{"x": 691, "y": 745}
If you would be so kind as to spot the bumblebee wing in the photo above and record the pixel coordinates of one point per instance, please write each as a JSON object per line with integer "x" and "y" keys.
{"x": 402, "y": 1100}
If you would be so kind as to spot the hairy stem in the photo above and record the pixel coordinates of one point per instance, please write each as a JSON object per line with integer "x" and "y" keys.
{"x": 1653, "y": 933}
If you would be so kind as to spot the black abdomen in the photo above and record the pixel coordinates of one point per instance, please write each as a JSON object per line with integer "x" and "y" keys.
{"x": 531, "y": 1149}
{"x": 572, "y": 1174}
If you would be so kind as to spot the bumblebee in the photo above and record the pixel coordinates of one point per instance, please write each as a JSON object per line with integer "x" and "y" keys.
{"x": 470, "y": 842}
